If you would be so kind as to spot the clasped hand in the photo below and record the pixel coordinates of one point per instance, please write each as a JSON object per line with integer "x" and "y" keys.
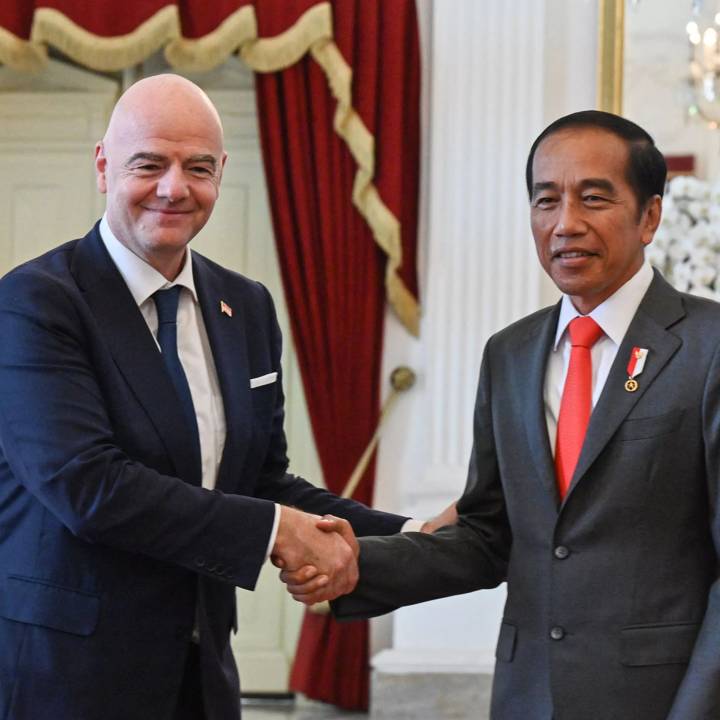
{"x": 317, "y": 556}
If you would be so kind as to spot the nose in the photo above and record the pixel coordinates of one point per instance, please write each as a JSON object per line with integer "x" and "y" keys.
{"x": 570, "y": 219}
{"x": 173, "y": 184}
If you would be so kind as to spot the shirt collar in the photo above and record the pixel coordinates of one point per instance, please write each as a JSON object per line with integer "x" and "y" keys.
{"x": 615, "y": 314}
{"x": 141, "y": 278}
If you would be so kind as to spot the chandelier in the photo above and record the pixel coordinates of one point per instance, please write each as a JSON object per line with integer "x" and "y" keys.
{"x": 703, "y": 32}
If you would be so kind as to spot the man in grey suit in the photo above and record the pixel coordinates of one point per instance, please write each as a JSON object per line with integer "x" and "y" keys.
{"x": 605, "y": 526}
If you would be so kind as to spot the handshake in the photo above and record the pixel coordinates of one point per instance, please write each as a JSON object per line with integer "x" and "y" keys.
{"x": 318, "y": 556}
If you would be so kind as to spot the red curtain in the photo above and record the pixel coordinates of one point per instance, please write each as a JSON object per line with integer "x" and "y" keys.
{"x": 333, "y": 272}
{"x": 106, "y": 19}
{"x": 109, "y": 18}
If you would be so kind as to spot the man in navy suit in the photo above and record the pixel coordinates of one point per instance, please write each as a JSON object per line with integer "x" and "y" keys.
{"x": 142, "y": 455}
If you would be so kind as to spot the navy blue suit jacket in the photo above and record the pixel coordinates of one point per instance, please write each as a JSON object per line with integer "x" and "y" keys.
{"x": 105, "y": 552}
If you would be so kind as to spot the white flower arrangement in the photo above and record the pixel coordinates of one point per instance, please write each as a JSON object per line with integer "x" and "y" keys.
{"x": 686, "y": 248}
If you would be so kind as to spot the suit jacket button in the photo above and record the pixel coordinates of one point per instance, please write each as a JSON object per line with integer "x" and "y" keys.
{"x": 561, "y": 552}
{"x": 200, "y": 562}
{"x": 557, "y": 633}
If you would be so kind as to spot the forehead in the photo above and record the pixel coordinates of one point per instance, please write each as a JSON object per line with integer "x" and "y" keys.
{"x": 579, "y": 153}
{"x": 180, "y": 132}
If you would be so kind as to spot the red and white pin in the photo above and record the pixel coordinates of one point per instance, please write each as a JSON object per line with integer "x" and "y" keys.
{"x": 635, "y": 367}
{"x": 225, "y": 308}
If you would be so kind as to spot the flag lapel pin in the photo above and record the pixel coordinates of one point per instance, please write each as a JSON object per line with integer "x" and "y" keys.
{"x": 225, "y": 309}
{"x": 635, "y": 367}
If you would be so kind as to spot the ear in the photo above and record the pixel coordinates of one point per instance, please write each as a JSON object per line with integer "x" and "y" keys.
{"x": 100, "y": 167}
{"x": 223, "y": 160}
{"x": 650, "y": 220}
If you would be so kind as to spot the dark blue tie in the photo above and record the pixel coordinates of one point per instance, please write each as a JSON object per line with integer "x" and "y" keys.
{"x": 166, "y": 302}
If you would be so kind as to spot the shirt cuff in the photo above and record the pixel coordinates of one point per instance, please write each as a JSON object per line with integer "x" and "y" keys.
{"x": 412, "y": 525}
{"x": 274, "y": 531}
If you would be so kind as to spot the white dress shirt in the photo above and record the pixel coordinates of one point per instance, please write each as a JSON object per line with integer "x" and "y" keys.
{"x": 614, "y": 316}
{"x": 196, "y": 357}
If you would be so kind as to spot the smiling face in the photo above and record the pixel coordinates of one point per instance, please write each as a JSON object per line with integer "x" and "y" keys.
{"x": 589, "y": 232}
{"x": 160, "y": 165}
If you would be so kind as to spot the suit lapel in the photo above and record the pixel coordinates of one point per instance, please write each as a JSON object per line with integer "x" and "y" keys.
{"x": 661, "y": 308}
{"x": 131, "y": 345}
{"x": 226, "y": 334}
{"x": 539, "y": 345}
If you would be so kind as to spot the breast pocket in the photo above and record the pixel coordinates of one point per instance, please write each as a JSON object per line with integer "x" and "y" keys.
{"x": 264, "y": 398}
{"x": 642, "y": 645}
{"x": 650, "y": 427}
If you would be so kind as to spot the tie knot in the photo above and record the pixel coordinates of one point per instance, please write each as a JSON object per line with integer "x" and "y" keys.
{"x": 166, "y": 302}
{"x": 584, "y": 332}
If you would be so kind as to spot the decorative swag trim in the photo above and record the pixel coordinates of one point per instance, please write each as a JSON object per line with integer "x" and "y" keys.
{"x": 312, "y": 32}
{"x": 106, "y": 54}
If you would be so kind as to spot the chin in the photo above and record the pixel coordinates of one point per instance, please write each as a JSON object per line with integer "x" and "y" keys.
{"x": 169, "y": 240}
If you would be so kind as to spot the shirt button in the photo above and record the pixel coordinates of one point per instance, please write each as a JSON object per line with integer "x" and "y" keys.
{"x": 561, "y": 552}
{"x": 557, "y": 633}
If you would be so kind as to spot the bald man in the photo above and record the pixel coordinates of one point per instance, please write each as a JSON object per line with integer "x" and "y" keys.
{"x": 142, "y": 453}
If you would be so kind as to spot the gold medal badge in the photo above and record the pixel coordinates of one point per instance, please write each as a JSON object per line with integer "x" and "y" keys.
{"x": 635, "y": 367}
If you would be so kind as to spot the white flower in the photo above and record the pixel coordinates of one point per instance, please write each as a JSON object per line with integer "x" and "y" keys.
{"x": 656, "y": 256}
{"x": 714, "y": 214}
{"x": 686, "y": 246}
{"x": 677, "y": 252}
{"x": 698, "y": 210}
{"x": 684, "y": 222}
{"x": 702, "y": 257}
{"x": 703, "y": 277}
{"x": 670, "y": 211}
{"x": 678, "y": 187}
{"x": 682, "y": 272}
{"x": 704, "y": 292}
{"x": 686, "y": 186}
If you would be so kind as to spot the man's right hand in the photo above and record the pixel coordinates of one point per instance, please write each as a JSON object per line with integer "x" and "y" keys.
{"x": 323, "y": 554}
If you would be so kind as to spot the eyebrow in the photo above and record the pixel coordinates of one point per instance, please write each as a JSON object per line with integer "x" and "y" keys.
{"x": 209, "y": 159}
{"x": 587, "y": 183}
{"x": 154, "y": 157}
{"x": 599, "y": 183}
{"x": 540, "y": 186}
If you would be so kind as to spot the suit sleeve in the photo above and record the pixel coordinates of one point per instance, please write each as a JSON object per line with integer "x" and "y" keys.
{"x": 698, "y": 697}
{"x": 456, "y": 559}
{"x": 59, "y": 445}
{"x": 277, "y": 484}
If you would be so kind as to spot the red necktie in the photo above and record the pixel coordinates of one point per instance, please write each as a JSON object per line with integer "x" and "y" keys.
{"x": 576, "y": 403}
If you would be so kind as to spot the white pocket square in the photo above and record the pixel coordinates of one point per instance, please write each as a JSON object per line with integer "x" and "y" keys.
{"x": 263, "y": 380}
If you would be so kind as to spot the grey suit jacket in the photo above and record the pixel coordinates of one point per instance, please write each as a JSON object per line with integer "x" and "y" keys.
{"x": 613, "y": 608}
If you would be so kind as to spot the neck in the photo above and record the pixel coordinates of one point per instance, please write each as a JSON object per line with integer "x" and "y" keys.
{"x": 169, "y": 267}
